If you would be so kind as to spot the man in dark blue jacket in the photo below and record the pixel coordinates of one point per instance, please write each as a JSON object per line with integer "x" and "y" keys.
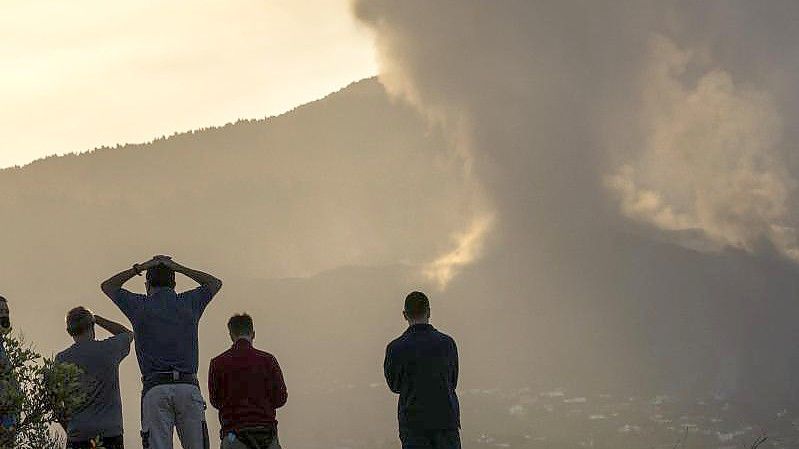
{"x": 422, "y": 367}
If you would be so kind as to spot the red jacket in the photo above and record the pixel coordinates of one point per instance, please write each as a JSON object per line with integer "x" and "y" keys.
{"x": 246, "y": 386}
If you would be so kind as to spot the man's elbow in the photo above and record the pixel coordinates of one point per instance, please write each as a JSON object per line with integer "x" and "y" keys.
{"x": 282, "y": 400}
{"x": 278, "y": 398}
{"x": 213, "y": 398}
{"x": 393, "y": 386}
{"x": 108, "y": 289}
{"x": 215, "y": 286}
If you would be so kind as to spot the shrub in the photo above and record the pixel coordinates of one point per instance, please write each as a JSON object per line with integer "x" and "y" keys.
{"x": 35, "y": 393}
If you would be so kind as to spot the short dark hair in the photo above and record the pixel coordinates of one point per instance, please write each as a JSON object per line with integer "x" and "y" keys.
{"x": 161, "y": 276}
{"x": 417, "y": 305}
{"x": 240, "y": 324}
{"x": 79, "y": 321}
{"x": 3, "y": 299}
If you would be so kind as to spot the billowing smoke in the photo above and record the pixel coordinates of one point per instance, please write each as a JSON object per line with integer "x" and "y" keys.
{"x": 640, "y": 107}
{"x": 614, "y": 139}
{"x": 468, "y": 247}
{"x": 709, "y": 156}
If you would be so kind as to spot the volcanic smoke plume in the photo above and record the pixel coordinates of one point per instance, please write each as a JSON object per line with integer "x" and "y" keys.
{"x": 633, "y": 167}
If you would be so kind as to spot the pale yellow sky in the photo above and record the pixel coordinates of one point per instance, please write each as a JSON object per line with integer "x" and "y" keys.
{"x": 84, "y": 73}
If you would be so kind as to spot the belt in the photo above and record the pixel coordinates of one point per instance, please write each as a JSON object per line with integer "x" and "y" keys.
{"x": 262, "y": 428}
{"x": 170, "y": 376}
{"x": 167, "y": 378}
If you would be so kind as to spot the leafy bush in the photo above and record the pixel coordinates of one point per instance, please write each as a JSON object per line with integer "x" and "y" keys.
{"x": 35, "y": 393}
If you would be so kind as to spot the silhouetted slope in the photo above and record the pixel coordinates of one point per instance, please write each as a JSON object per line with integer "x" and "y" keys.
{"x": 334, "y": 182}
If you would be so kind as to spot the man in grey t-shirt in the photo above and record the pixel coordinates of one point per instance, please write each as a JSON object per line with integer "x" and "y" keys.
{"x": 99, "y": 419}
{"x": 166, "y": 326}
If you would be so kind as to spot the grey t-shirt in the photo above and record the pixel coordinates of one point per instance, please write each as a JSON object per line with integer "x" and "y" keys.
{"x": 166, "y": 326}
{"x": 99, "y": 360}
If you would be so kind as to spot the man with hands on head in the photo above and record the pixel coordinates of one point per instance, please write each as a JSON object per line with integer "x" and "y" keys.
{"x": 99, "y": 422}
{"x": 165, "y": 324}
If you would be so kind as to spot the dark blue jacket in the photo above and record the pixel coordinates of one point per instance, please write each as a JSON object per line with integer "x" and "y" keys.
{"x": 422, "y": 367}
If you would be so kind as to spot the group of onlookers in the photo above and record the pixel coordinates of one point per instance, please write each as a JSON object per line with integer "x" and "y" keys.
{"x": 245, "y": 384}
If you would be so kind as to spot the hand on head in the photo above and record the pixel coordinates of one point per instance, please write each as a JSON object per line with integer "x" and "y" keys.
{"x": 155, "y": 261}
{"x": 167, "y": 262}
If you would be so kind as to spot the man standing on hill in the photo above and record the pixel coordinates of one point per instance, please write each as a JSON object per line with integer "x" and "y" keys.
{"x": 422, "y": 367}
{"x": 246, "y": 386}
{"x": 166, "y": 327}
{"x": 98, "y": 423}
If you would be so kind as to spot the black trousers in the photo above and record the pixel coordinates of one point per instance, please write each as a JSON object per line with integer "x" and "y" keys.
{"x": 430, "y": 439}
{"x": 108, "y": 443}
{"x": 257, "y": 438}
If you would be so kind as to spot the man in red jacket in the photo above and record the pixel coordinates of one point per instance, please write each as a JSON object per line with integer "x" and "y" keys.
{"x": 246, "y": 386}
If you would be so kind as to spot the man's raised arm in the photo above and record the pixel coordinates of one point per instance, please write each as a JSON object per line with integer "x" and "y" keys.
{"x": 112, "y": 285}
{"x": 115, "y": 282}
{"x": 212, "y": 283}
{"x": 112, "y": 327}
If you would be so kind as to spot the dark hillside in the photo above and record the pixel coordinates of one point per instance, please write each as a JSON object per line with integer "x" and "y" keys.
{"x": 331, "y": 183}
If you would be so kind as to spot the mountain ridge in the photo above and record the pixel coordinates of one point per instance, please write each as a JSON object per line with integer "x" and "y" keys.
{"x": 282, "y": 175}
{"x": 178, "y": 134}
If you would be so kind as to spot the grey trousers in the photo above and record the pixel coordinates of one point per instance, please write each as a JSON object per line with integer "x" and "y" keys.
{"x": 174, "y": 406}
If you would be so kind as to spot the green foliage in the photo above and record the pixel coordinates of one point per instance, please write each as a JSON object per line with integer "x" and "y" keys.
{"x": 35, "y": 393}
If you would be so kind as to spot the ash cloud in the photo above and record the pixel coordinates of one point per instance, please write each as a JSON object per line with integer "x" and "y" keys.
{"x": 613, "y": 140}
{"x": 709, "y": 157}
{"x": 639, "y": 109}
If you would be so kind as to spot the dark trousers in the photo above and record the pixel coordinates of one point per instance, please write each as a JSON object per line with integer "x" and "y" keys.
{"x": 430, "y": 439}
{"x": 253, "y": 438}
{"x": 108, "y": 443}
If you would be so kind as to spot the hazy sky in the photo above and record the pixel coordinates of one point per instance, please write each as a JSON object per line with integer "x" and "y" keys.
{"x": 85, "y": 73}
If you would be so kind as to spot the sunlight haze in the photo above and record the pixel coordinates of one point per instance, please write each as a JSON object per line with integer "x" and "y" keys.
{"x": 82, "y": 74}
